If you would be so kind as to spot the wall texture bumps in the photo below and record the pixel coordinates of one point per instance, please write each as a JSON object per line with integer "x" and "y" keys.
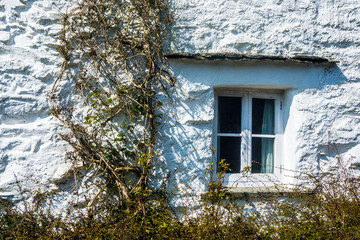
{"x": 31, "y": 154}
{"x": 30, "y": 150}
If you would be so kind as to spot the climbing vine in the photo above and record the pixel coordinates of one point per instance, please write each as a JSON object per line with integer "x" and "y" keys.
{"x": 113, "y": 60}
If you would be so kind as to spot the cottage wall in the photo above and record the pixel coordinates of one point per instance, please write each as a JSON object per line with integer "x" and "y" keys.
{"x": 322, "y": 102}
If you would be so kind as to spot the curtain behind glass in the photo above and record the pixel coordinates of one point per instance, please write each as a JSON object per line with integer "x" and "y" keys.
{"x": 267, "y": 144}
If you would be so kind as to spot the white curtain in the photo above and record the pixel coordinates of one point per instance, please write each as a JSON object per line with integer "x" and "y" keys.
{"x": 267, "y": 144}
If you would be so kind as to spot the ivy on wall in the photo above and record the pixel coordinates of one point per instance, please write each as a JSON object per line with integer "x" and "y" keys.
{"x": 113, "y": 59}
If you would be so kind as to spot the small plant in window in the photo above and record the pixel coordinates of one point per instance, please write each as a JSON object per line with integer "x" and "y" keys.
{"x": 216, "y": 192}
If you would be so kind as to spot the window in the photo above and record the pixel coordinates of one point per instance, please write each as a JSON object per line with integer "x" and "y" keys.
{"x": 248, "y": 134}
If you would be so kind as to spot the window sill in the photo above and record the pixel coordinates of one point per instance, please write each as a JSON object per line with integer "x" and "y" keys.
{"x": 254, "y": 193}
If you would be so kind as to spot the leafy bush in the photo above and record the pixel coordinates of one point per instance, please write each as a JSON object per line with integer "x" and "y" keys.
{"x": 329, "y": 210}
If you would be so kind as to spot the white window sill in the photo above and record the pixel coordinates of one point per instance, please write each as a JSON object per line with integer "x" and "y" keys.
{"x": 254, "y": 193}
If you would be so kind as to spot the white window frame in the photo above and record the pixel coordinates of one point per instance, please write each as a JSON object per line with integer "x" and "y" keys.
{"x": 246, "y": 178}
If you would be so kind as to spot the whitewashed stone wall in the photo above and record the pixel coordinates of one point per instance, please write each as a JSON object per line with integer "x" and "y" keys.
{"x": 31, "y": 153}
{"x": 322, "y": 116}
{"x": 320, "y": 113}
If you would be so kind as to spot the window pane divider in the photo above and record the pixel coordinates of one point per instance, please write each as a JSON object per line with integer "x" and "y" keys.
{"x": 245, "y": 127}
{"x": 230, "y": 134}
{"x": 263, "y": 135}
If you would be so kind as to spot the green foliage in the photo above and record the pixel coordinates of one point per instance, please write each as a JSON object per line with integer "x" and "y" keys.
{"x": 216, "y": 192}
{"x": 329, "y": 210}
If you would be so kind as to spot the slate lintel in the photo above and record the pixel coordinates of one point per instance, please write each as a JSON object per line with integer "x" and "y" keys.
{"x": 249, "y": 58}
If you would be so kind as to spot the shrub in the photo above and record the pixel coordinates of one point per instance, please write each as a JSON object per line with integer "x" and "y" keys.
{"x": 329, "y": 210}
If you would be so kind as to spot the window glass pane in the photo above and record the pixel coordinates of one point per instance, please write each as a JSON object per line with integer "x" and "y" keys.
{"x": 229, "y": 114}
{"x": 262, "y": 155}
{"x": 263, "y": 115}
{"x": 230, "y": 151}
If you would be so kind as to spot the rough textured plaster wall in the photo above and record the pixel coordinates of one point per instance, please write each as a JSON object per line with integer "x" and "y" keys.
{"x": 275, "y": 27}
{"x": 318, "y": 116}
{"x": 30, "y": 151}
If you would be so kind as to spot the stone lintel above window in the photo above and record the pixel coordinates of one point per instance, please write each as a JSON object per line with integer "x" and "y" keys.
{"x": 250, "y": 58}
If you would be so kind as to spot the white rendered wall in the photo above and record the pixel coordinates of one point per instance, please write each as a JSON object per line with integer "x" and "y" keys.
{"x": 323, "y": 105}
{"x": 30, "y": 150}
{"x": 306, "y": 134}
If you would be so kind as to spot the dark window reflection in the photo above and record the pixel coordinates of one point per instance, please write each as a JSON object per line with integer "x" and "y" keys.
{"x": 229, "y": 114}
{"x": 230, "y": 151}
